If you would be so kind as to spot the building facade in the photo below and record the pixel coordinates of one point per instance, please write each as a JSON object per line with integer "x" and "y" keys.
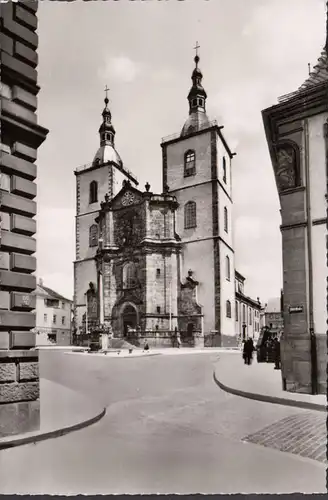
{"x": 175, "y": 248}
{"x": 53, "y": 317}
{"x": 93, "y": 181}
{"x": 297, "y": 136}
{"x": 273, "y": 315}
{"x": 247, "y": 313}
{"x": 20, "y": 138}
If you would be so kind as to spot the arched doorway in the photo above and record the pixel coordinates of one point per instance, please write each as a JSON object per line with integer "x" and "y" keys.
{"x": 129, "y": 318}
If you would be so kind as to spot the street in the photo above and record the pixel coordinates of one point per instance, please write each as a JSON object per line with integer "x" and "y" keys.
{"x": 168, "y": 429}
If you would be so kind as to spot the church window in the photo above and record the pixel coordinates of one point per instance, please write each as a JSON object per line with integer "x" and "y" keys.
{"x": 226, "y": 219}
{"x": 158, "y": 272}
{"x": 244, "y": 313}
{"x": 237, "y": 315}
{"x": 190, "y": 219}
{"x": 250, "y": 316}
{"x": 224, "y": 166}
{"x": 228, "y": 309}
{"x": 227, "y": 268}
{"x": 129, "y": 275}
{"x": 189, "y": 163}
{"x": 194, "y": 102}
{"x": 93, "y": 235}
{"x": 93, "y": 192}
{"x": 158, "y": 309}
{"x": 200, "y": 102}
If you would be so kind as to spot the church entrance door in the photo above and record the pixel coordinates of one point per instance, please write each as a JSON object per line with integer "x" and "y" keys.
{"x": 129, "y": 319}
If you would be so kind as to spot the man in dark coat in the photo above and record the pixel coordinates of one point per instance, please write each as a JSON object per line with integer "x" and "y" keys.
{"x": 276, "y": 350}
{"x": 248, "y": 351}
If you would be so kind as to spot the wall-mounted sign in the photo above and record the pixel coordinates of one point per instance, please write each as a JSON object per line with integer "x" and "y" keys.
{"x": 295, "y": 309}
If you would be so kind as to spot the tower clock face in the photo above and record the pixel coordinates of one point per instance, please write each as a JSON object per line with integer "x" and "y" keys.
{"x": 128, "y": 199}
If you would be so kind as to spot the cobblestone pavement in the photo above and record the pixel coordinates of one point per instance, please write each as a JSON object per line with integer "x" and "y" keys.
{"x": 304, "y": 434}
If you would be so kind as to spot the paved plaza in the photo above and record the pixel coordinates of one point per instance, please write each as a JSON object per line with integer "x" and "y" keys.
{"x": 168, "y": 429}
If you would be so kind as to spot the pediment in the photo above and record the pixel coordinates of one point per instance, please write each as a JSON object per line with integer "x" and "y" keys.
{"x": 128, "y": 196}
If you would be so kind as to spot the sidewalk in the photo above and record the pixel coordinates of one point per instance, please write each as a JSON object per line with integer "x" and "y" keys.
{"x": 261, "y": 382}
{"x": 62, "y": 410}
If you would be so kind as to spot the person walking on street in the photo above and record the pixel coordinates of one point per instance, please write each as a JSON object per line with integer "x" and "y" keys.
{"x": 276, "y": 349}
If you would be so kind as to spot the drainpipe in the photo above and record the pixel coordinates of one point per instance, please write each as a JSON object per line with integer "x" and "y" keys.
{"x": 313, "y": 347}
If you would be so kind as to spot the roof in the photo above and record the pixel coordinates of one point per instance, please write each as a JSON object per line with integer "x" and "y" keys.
{"x": 48, "y": 292}
{"x": 107, "y": 153}
{"x": 238, "y": 275}
{"x": 196, "y": 121}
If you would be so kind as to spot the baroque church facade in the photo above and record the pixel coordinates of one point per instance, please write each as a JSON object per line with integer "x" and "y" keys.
{"x": 150, "y": 264}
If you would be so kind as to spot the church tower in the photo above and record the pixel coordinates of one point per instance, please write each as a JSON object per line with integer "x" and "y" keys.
{"x": 197, "y": 171}
{"x": 104, "y": 176}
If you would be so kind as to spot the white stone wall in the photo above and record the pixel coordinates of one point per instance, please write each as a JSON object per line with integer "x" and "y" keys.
{"x": 201, "y": 144}
{"x": 199, "y": 257}
{"x": 227, "y": 290}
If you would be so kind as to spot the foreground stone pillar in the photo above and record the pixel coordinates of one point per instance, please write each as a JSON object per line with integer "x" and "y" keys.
{"x": 20, "y": 137}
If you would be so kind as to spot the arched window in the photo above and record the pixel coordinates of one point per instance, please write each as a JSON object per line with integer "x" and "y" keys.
{"x": 224, "y": 167}
{"x": 227, "y": 268}
{"x": 129, "y": 275}
{"x": 93, "y": 190}
{"x": 226, "y": 219}
{"x": 228, "y": 309}
{"x": 189, "y": 163}
{"x": 93, "y": 235}
{"x": 190, "y": 219}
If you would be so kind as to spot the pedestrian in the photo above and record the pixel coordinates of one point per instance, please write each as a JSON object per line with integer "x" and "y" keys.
{"x": 146, "y": 346}
{"x": 250, "y": 351}
{"x": 276, "y": 353}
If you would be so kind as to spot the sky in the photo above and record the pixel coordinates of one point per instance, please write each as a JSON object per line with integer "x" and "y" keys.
{"x": 251, "y": 52}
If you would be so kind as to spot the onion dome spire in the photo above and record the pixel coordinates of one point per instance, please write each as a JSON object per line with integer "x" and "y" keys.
{"x": 197, "y": 99}
{"x": 107, "y": 152}
{"x": 106, "y": 130}
{"x": 197, "y": 95}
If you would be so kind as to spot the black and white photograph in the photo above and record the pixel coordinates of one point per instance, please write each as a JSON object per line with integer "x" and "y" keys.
{"x": 163, "y": 247}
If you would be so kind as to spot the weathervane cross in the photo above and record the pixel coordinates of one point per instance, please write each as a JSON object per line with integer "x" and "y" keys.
{"x": 106, "y": 90}
{"x": 196, "y": 48}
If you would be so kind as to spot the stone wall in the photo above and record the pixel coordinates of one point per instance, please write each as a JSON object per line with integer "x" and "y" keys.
{"x": 21, "y": 136}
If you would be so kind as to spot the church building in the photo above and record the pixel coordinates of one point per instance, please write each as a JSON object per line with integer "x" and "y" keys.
{"x": 151, "y": 264}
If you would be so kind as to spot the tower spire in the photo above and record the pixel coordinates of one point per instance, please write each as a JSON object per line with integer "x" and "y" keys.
{"x": 197, "y": 95}
{"x": 106, "y": 130}
{"x": 197, "y": 99}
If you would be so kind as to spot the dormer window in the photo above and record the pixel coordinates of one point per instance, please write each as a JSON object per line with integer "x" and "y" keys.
{"x": 189, "y": 163}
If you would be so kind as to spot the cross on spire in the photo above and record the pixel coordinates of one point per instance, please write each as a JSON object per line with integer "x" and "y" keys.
{"x": 106, "y": 90}
{"x": 196, "y": 48}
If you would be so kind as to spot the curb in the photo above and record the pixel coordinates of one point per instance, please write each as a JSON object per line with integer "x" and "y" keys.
{"x": 121, "y": 357}
{"x": 19, "y": 441}
{"x": 269, "y": 399}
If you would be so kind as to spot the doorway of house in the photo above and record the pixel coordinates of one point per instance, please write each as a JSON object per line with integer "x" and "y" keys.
{"x": 129, "y": 319}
